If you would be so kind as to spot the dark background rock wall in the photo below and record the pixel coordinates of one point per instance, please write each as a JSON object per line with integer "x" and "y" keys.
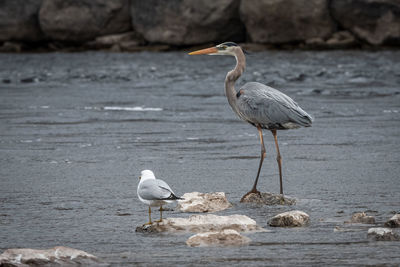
{"x": 131, "y": 24}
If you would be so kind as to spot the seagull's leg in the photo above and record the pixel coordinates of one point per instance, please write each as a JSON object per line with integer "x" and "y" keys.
{"x": 161, "y": 209}
{"x": 149, "y": 218}
{"x": 279, "y": 160}
{"x": 263, "y": 155}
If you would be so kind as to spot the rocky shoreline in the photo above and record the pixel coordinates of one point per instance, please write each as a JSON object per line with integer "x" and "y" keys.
{"x": 134, "y": 25}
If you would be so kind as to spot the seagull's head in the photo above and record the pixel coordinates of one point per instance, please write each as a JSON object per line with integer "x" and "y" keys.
{"x": 146, "y": 174}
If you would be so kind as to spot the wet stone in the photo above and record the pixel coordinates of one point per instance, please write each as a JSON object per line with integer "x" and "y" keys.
{"x": 227, "y": 237}
{"x": 57, "y": 256}
{"x": 361, "y": 217}
{"x": 393, "y": 222}
{"x": 268, "y": 199}
{"x": 383, "y": 234}
{"x": 203, "y": 202}
{"x": 294, "y": 218}
{"x": 202, "y": 223}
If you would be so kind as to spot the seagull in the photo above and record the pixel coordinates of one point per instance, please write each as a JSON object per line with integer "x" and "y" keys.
{"x": 154, "y": 192}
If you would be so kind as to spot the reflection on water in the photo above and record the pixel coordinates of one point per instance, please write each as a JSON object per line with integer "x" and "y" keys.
{"x": 77, "y": 129}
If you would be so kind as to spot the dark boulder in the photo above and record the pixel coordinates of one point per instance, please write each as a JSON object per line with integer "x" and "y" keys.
{"x": 286, "y": 21}
{"x": 186, "y": 22}
{"x": 19, "y": 20}
{"x": 374, "y": 21}
{"x": 79, "y": 21}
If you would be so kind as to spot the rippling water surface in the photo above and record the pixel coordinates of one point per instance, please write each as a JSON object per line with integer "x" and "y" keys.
{"x": 77, "y": 129}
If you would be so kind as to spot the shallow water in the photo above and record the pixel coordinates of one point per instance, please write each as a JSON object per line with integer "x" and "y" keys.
{"x": 77, "y": 129}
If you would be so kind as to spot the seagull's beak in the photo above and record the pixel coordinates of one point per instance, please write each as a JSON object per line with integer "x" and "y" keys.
{"x": 207, "y": 51}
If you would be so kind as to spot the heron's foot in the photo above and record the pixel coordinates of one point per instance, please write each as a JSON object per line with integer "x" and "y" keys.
{"x": 282, "y": 201}
{"x": 161, "y": 209}
{"x": 158, "y": 221}
{"x": 253, "y": 191}
{"x": 148, "y": 223}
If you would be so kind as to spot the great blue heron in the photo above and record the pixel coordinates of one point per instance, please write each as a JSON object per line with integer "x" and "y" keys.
{"x": 260, "y": 105}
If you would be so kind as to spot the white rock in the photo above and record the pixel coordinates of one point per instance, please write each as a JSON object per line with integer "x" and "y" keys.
{"x": 203, "y": 202}
{"x": 361, "y": 217}
{"x": 56, "y": 255}
{"x": 203, "y": 223}
{"x": 383, "y": 234}
{"x": 394, "y": 221}
{"x": 294, "y": 218}
{"x": 227, "y": 237}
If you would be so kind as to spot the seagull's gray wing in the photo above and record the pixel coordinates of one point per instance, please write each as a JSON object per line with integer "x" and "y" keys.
{"x": 154, "y": 189}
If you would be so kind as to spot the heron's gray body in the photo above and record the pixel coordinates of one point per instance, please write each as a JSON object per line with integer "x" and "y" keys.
{"x": 262, "y": 105}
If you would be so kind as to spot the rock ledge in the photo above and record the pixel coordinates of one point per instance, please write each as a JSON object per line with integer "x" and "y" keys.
{"x": 268, "y": 199}
{"x": 203, "y": 223}
{"x": 294, "y": 218}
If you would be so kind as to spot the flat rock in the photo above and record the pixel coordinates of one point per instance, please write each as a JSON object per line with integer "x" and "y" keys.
{"x": 203, "y": 202}
{"x": 268, "y": 199}
{"x": 286, "y": 21}
{"x": 361, "y": 217}
{"x": 294, "y": 218}
{"x": 81, "y": 21}
{"x": 177, "y": 22}
{"x": 203, "y": 223}
{"x": 227, "y": 237}
{"x": 376, "y": 22}
{"x": 383, "y": 234}
{"x": 57, "y": 256}
{"x": 394, "y": 221}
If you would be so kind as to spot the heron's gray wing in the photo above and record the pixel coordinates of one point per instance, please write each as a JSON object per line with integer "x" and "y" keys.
{"x": 154, "y": 189}
{"x": 261, "y": 104}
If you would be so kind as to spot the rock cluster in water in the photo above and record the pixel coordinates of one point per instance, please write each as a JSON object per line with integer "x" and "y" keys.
{"x": 268, "y": 199}
{"x": 294, "y": 218}
{"x": 203, "y": 202}
{"x": 393, "y": 222}
{"x": 57, "y": 256}
{"x": 227, "y": 237}
{"x": 361, "y": 217}
{"x": 56, "y": 24}
{"x": 383, "y": 234}
{"x": 203, "y": 223}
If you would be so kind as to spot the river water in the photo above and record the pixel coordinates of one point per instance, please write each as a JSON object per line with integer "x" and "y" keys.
{"x": 77, "y": 129}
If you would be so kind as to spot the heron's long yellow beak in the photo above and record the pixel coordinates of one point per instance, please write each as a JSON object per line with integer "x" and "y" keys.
{"x": 210, "y": 50}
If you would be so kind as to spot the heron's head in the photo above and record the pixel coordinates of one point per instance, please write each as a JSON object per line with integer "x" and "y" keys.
{"x": 228, "y": 48}
{"x": 146, "y": 174}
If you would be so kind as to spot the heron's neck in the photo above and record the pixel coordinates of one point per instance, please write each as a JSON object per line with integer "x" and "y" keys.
{"x": 232, "y": 76}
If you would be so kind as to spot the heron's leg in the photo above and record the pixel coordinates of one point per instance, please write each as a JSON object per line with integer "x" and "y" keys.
{"x": 279, "y": 160}
{"x": 263, "y": 154}
{"x": 150, "y": 222}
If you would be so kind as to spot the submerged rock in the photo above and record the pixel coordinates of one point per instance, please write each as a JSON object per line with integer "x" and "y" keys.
{"x": 57, "y": 256}
{"x": 227, "y": 237}
{"x": 203, "y": 223}
{"x": 294, "y": 218}
{"x": 203, "y": 202}
{"x": 361, "y": 217}
{"x": 383, "y": 234}
{"x": 394, "y": 221}
{"x": 268, "y": 199}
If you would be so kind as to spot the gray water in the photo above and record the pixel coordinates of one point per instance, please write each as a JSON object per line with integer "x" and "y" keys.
{"x": 77, "y": 129}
